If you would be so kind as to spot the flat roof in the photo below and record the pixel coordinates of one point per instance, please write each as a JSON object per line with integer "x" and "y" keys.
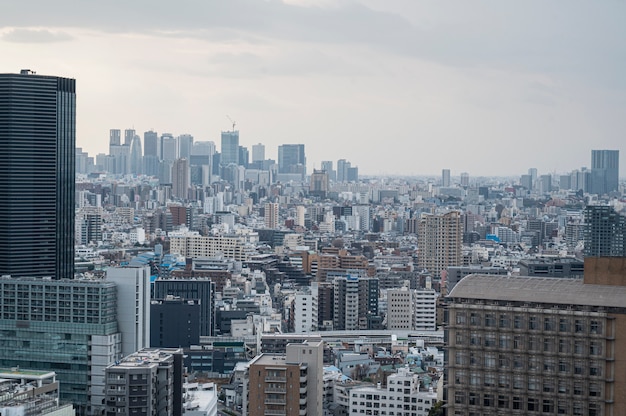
{"x": 539, "y": 290}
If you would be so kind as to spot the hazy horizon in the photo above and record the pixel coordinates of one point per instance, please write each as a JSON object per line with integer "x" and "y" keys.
{"x": 398, "y": 87}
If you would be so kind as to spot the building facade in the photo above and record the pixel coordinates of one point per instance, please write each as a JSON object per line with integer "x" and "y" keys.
{"x": 37, "y": 166}
{"x": 439, "y": 241}
{"x": 530, "y": 346}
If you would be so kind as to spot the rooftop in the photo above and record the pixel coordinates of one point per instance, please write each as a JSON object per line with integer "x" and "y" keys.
{"x": 539, "y": 290}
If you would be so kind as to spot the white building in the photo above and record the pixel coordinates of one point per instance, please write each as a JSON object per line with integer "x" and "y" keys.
{"x": 400, "y": 309}
{"x": 401, "y": 397}
{"x": 425, "y": 310}
{"x": 133, "y": 306}
{"x": 305, "y": 317}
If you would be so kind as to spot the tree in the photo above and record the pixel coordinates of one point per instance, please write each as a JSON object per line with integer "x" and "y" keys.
{"x": 437, "y": 409}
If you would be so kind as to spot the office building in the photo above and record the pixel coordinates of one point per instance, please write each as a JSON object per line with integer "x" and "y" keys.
{"x": 37, "y": 164}
{"x": 66, "y": 326}
{"x": 148, "y": 382}
{"x": 129, "y": 135}
{"x": 133, "y": 306}
{"x": 464, "y": 179}
{"x": 203, "y": 148}
{"x": 342, "y": 170}
{"x": 151, "y": 144}
{"x": 174, "y": 322}
{"x": 31, "y": 393}
{"x": 439, "y": 241}
{"x": 604, "y": 232}
{"x": 230, "y": 148}
{"x": 136, "y": 156}
{"x": 114, "y": 139}
{"x": 169, "y": 147}
{"x": 201, "y": 289}
{"x": 531, "y": 346}
{"x": 327, "y": 165}
{"x": 318, "y": 184}
{"x": 244, "y": 156}
{"x": 604, "y": 171}
{"x": 400, "y": 309}
{"x": 445, "y": 178}
{"x": 258, "y": 152}
{"x": 185, "y": 145}
{"x": 180, "y": 179}
{"x": 291, "y": 159}
{"x": 289, "y": 384}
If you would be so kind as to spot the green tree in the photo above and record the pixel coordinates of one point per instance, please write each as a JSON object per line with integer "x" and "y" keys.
{"x": 437, "y": 409}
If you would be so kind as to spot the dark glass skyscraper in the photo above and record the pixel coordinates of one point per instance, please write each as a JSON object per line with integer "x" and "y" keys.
{"x": 605, "y": 232}
{"x": 604, "y": 171}
{"x": 37, "y": 163}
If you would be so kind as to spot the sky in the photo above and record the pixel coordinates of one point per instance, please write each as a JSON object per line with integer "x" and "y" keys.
{"x": 402, "y": 87}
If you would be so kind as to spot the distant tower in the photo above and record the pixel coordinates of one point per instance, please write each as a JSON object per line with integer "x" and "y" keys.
{"x": 136, "y": 158}
{"x": 318, "y": 183}
{"x": 327, "y": 165}
{"x": 445, "y": 178}
{"x": 169, "y": 147}
{"x": 129, "y": 135}
{"x": 258, "y": 152}
{"x": 604, "y": 171}
{"x": 114, "y": 138}
{"x": 185, "y": 143}
{"x": 37, "y": 167}
{"x": 342, "y": 170}
{"x": 230, "y": 148}
{"x": 180, "y": 178}
{"x": 291, "y": 159}
{"x": 465, "y": 179}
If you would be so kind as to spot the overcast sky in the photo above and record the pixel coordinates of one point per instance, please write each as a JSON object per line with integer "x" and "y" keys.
{"x": 394, "y": 86}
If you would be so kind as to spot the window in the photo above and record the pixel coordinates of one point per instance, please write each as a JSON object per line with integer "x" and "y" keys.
{"x": 595, "y": 348}
{"x": 595, "y": 327}
{"x": 517, "y": 403}
{"x": 490, "y": 320}
{"x": 548, "y": 406}
{"x": 504, "y": 321}
{"x": 564, "y": 346}
{"x": 563, "y": 325}
{"x": 532, "y": 323}
{"x": 533, "y": 405}
{"x": 548, "y": 324}
{"x": 460, "y": 317}
{"x": 473, "y": 399}
{"x": 579, "y": 326}
{"x": 488, "y": 400}
{"x": 475, "y": 319}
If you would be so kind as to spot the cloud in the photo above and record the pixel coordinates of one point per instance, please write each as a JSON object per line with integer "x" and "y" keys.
{"x": 35, "y": 36}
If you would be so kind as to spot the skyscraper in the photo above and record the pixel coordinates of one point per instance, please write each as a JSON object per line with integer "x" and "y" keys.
{"x": 230, "y": 147}
{"x": 604, "y": 171}
{"x": 291, "y": 159}
{"x": 605, "y": 232}
{"x": 37, "y": 165}
{"x": 258, "y": 152}
{"x": 445, "y": 178}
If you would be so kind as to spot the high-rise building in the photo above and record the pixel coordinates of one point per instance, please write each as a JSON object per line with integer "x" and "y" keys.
{"x": 318, "y": 183}
{"x": 244, "y": 156}
{"x": 151, "y": 144}
{"x": 136, "y": 156}
{"x": 445, "y": 178}
{"x": 203, "y": 148}
{"x": 115, "y": 138}
{"x": 464, "y": 179}
{"x": 536, "y": 346}
{"x": 604, "y": 232}
{"x": 327, "y": 165}
{"x": 129, "y": 135}
{"x": 258, "y": 152}
{"x": 272, "y": 389}
{"x": 180, "y": 178}
{"x": 439, "y": 241}
{"x": 185, "y": 144}
{"x": 66, "y": 326}
{"x": 604, "y": 171}
{"x": 169, "y": 147}
{"x": 37, "y": 165}
{"x": 230, "y": 148}
{"x": 133, "y": 306}
{"x": 291, "y": 159}
{"x": 271, "y": 215}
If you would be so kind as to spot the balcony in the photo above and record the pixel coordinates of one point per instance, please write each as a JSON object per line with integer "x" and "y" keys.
{"x": 275, "y": 390}
{"x": 275, "y": 401}
{"x": 275, "y": 379}
{"x": 275, "y": 412}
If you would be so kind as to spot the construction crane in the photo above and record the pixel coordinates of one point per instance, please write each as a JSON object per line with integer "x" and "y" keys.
{"x": 232, "y": 121}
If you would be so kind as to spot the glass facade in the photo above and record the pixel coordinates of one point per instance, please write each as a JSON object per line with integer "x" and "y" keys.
{"x": 37, "y": 166}
{"x": 49, "y": 325}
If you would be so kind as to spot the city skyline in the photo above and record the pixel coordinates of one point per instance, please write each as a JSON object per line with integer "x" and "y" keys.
{"x": 469, "y": 87}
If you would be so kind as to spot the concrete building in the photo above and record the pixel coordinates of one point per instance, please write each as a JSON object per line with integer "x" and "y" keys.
{"x": 230, "y": 148}
{"x": 37, "y": 169}
{"x": 133, "y": 306}
{"x": 31, "y": 393}
{"x": 180, "y": 178}
{"x": 290, "y": 384}
{"x": 66, "y": 326}
{"x": 271, "y": 210}
{"x": 568, "y": 267}
{"x": 355, "y": 302}
{"x": 439, "y": 241}
{"x": 604, "y": 232}
{"x": 402, "y": 396}
{"x": 148, "y": 382}
{"x": 527, "y": 345}
{"x": 174, "y": 322}
{"x": 258, "y": 152}
{"x": 400, "y": 309}
{"x": 604, "y": 171}
{"x": 194, "y": 245}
